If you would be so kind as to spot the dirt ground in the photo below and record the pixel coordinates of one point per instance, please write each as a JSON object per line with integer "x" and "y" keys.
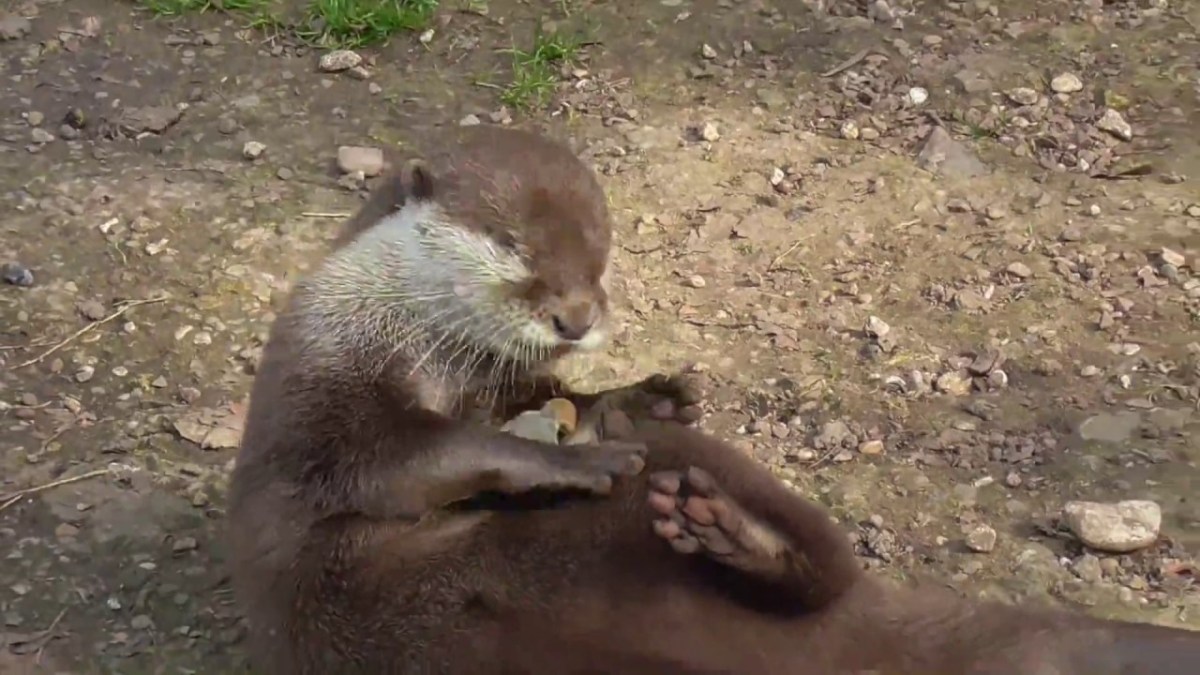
{"x": 943, "y": 339}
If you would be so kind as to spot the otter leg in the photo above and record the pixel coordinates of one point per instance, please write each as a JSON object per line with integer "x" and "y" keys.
{"x": 695, "y": 516}
{"x": 469, "y": 462}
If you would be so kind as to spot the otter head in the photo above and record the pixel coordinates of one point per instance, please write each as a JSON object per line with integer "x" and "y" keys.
{"x": 506, "y": 244}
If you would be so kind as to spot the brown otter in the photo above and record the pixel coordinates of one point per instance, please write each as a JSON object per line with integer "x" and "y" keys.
{"x": 369, "y": 536}
{"x": 463, "y": 277}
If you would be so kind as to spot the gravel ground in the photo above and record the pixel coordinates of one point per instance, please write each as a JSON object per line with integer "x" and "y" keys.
{"x": 937, "y": 262}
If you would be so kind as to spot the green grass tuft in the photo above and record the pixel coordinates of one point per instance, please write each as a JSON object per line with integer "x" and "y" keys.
{"x": 351, "y": 24}
{"x": 536, "y": 72}
{"x": 345, "y": 24}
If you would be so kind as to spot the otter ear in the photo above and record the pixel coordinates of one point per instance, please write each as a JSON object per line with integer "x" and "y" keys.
{"x": 417, "y": 179}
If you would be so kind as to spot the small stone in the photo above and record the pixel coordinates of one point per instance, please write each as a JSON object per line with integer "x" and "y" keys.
{"x": 707, "y": 52}
{"x": 696, "y": 281}
{"x": 942, "y": 154}
{"x": 982, "y": 539}
{"x": 184, "y": 544}
{"x": 354, "y": 158}
{"x": 140, "y": 622}
{"x": 41, "y": 136}
{"x": 1088, "y": 568}
{"x": 710, "y": 133}
{"x": 1112, "y": 122}
{"x": 227, "y": 125}
{"x": 85, "y": 374}
{"x": 1023, "y": 96}
{"x": 92, "y": 310}
{"x": 931, "y": 40}
{"x": 1066, "y": 83}
{"x": 1121, "y": 527}
{"x": 1089, "y": 371}
{"x": 1019, "y": 270}
{"x": 998, "y": 379}
{"x": 66, "y": 531}
{"x": 253, "y": 150}
{"x": 1172, "y": 257}
{"x": 284, "y": 173}
{"x": 1013, "y": 479}
{"x": 339, "y": 60}
{"x": 877, "y": 327}
{"x": 13, "y": 27}
{"x": 953, "y": 383}
{"x": 849, "y": 130}
{"x": 34, "y": 118}
{"x": 470, "y": 121}
{"x": 16, "y": 274}
{"x": 1094, "y": 210}
{"x": 872, "y": 447}
{"x": 918, "y": 95}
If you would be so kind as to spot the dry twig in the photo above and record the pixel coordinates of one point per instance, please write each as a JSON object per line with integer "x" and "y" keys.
{"x": 79, "y": 333}
{"x": 19, "y": 494}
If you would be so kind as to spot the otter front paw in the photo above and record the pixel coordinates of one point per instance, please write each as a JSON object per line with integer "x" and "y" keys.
{"x": 579, "y": 467}
{"x": 674, "y": 398}
{"x": 696, "y": 516}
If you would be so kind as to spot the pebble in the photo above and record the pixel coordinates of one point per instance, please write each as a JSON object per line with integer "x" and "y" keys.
{"x": 1089, "y": 371}
{"x": 849, "y": 130}
{"x": 339, "y": 60}
{"x": 227, "y": 125}
{"x": 710, "y": 133}
{"x": 918, "y": 95}
{"x": 1171, "y": 257}
{"x": 877, "y": 327}
{"x": 41, "y": 136}
{"x": 1019, "y": 270}
{"x": 1120, "y": 527}
{"x": 1023, "y": 96}
{"x": 1112, "y": 122}
{"x": 34, "y": 118}
{"x": 16, "y": 274}
{"x": 1088, "y": 568}
{"x": 470, "y": 121}
{"x": 707, "y": 51}
{"x": 85, "y": 374}
{"x": 367, "y": 160}
{"x": 872, "y": 447}
{"x": 1066, "y": 83}
{"x": 253, "y": 150}
{"x": 953, "y": 383}
{"x": 696, "y": 281}
{"x": 982, "y": 539}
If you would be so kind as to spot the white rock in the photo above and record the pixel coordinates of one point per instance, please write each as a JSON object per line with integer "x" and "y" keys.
{"x": 710, "y": 133}
{"x": 253, "y": 150}
{"x": 1112, "y": 122}
{"x": 352, "y": 158}
{"x": 1172, "y": 257}
{"x": 877, "y": 327}
{"x": 918, "y": 95}
{"x": 1066, "y": 83}
{"x": 1023, "y": 96}
{"x": 339, "y": 60}
{"x": 707, "y": 51}
{"x": 1121, "y": 527}
{"x": 982, "y": 539}
{"x": 849, "y": 130}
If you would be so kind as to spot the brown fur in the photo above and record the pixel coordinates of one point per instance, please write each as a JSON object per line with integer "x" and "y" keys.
{"x": 375, "y": 536}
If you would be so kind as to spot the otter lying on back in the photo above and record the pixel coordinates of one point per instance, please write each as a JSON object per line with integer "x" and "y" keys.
{"x": 377, "y": 531}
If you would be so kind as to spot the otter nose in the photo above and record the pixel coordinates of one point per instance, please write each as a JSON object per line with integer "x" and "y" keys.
{"x": 573, "y": 326}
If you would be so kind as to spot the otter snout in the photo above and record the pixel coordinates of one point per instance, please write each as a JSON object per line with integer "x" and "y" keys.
{"x": 573, "y": 322}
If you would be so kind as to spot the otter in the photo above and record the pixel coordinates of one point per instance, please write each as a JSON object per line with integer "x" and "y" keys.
{"x": 380, "y": 527}
{"x": 443, "y": 305}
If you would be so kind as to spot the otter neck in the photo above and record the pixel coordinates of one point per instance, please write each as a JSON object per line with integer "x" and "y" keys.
{"x": 401, "y": 294}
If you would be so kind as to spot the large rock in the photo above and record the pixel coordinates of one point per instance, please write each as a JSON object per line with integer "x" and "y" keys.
{"x": 1115, "y": 528}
